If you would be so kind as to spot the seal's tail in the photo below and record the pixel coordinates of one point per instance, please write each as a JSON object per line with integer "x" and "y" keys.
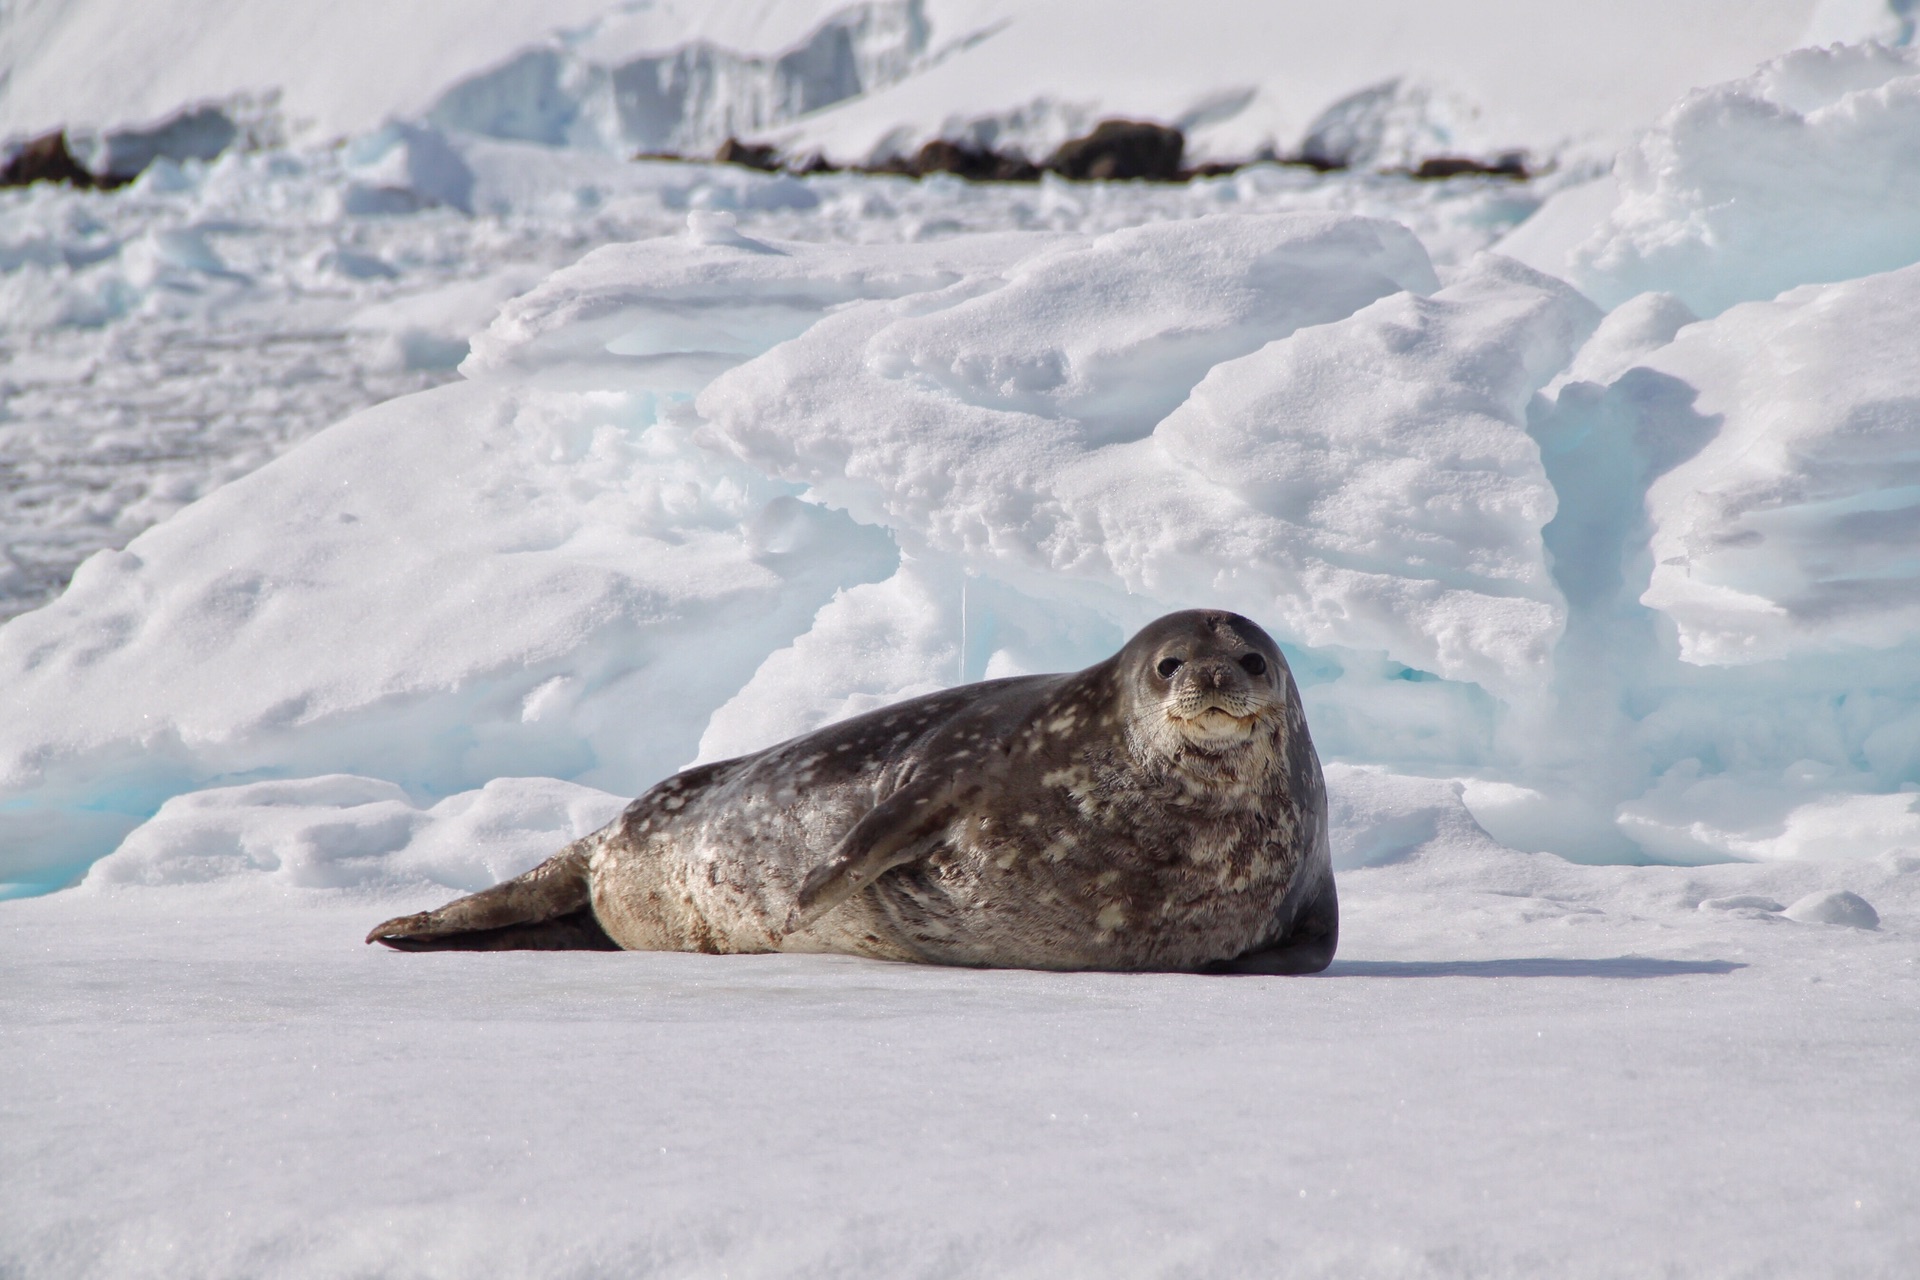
{"x": 547, "y": 909}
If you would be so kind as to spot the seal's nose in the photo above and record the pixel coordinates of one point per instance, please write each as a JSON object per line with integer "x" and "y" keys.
{"x": 1212, "y": 674}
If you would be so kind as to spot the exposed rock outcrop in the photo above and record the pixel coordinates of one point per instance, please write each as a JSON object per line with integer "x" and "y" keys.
{"x": 46, "y": 159}
{"x": 1122, "y": 149}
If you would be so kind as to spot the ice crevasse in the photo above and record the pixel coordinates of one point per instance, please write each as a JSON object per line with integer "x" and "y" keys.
{"x": 1621, "y": 584}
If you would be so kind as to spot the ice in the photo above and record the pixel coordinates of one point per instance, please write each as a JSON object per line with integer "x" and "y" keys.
{"x": 338, "y": 831}
{"x": 610, "y": 533}
{"x": 611, "y": 87}
{"x": 402, "y": 168}
{"x": 1054, "y": 488}
{"x": 1406, "y": 78}
{"x": 1746, "y": 605}
{"x": 1792, "y": 530}
{"x": 699, "y": 492}
{"x": 1395, "y": 124}
{"x": 1799, "y": 173}
{"x": 1379, "y": 817}
{"x": 628, "y": 559}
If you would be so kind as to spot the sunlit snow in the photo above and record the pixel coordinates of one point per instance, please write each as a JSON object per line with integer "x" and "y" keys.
{"x": 429, "y": 492}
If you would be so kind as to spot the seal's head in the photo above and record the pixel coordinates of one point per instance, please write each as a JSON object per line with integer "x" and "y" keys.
{"x": 1209, "y": 694}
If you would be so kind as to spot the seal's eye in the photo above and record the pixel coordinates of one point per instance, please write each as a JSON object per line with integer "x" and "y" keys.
{"x": 1168, "y": 666}
{"x": 1254, "y": 665}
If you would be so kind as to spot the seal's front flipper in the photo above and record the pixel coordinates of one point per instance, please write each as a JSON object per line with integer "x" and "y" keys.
{"x": 1306, "y": 947}
{"x": 897, "y": 831}
{"x": 547, "y": 909}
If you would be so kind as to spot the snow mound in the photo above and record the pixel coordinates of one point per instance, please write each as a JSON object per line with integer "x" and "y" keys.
{"x": 340, "y": 832}
{"x": 1792, "y": 528}
{"x": 1802, "y": 172}
{"x": 1393, "y": 125}
{"x": 1835, "y": 906}
{"x": 1050, "y": 444}
{"x": 1376, "y": 817}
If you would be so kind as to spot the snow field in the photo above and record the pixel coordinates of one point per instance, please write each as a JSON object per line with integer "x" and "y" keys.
{"x": 1654, "y": 1067}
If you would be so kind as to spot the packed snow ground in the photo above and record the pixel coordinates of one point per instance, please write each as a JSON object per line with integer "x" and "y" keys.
{"x": 1518, "y": 1067}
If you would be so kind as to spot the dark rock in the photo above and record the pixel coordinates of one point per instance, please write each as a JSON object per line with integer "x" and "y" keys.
{"x": 974, "y": 163}
{"x": 45, "y": 159}
{"x": 1511, "y": 165}
{"x": 1318, "y": 163}
{"x": 1121, "y": 149}
{"x": 750, "y": 155}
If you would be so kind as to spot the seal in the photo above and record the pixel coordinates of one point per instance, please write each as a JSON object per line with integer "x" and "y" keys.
{"x": 1161, "y": 810}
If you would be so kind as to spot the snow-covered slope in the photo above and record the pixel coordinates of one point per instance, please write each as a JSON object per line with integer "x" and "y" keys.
{"x": 1383, "y": 82}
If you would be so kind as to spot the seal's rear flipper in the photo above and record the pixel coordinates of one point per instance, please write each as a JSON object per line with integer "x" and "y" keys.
{"x": 576, "y": 932}
{"x": 547, "y": 909}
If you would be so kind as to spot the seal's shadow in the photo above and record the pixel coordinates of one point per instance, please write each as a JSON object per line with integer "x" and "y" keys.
{"x": 1529, "y": 967}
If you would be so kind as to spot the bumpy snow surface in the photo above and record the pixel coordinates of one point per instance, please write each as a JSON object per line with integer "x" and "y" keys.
{"x": 1595, "y": 548}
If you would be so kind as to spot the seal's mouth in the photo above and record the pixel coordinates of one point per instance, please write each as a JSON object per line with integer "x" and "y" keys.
{"x": 1215, "y": 721}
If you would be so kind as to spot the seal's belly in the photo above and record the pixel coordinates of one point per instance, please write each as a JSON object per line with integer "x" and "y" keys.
{"x": 1106, "y": 905}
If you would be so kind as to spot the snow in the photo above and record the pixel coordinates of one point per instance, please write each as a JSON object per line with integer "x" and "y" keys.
{"x": 1395, "y": 80}
{"x": 1791, "y": 532}
{"x": 1834, "y": 906}
{"x": 435, "y": 492}
{"x": 1418, "y": 79}
{"x": 135, "y": 382}
{"x": 1518, "y": 1066}
{"x": 1801, "y": 172}
{"x": 338, "y": 831}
